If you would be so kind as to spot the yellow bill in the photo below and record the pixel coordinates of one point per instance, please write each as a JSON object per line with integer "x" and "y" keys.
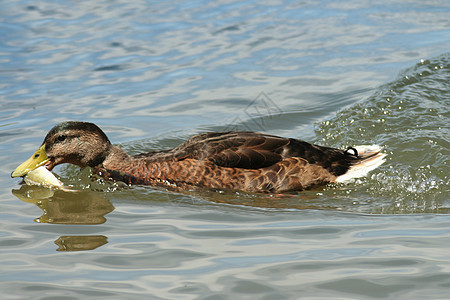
{"x": 38, "y": 159}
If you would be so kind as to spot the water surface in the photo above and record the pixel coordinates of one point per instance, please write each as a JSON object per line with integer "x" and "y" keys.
{"x": 151, "y": 74}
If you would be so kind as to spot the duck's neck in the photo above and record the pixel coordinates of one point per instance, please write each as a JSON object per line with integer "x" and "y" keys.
{"x": 116, "y": 159}
{"x": 120, "y": 166}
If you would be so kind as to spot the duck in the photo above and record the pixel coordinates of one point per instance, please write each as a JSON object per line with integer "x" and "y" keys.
{"x": 242, "y": 161}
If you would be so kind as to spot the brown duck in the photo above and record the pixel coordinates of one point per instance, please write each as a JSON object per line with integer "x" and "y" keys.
{"x": 247, "y": 161}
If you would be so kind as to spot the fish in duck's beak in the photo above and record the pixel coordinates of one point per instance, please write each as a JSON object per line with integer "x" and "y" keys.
{"x": 39, "y": 158}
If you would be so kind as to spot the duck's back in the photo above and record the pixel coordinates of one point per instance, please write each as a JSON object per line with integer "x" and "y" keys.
{"x": 243, "y": 161}
{"x": 250, "y": 150}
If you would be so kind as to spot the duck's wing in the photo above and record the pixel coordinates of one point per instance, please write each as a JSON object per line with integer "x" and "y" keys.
{"x": 248, "y": 150}
{"x": 252, "y": 150}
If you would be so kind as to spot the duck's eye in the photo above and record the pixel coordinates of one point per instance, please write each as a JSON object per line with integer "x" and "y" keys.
{"x": 61, "y": 138}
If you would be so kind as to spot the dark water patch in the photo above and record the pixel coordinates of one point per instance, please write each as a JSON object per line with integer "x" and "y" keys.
{"x": 362, "y": 287}
{"x": 110, "y": 68}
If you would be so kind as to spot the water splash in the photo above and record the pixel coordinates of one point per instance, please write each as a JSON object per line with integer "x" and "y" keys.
{"x": 409, "y": 118}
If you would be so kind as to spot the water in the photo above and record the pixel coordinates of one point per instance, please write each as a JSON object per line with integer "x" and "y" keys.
{"x": 151, "y": 74}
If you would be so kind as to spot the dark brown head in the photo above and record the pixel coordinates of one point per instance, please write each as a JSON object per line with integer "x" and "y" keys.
{"x": 79, "y": 143}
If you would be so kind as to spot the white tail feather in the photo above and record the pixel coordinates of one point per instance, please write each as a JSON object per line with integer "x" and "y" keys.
{"x": 371, "y": 158}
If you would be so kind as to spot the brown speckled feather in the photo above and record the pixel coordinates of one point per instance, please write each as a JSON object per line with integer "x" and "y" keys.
{"x": 237, "y": 160}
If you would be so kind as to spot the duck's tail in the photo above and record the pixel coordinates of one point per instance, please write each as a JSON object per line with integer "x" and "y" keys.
{"x": 369, "y": 158}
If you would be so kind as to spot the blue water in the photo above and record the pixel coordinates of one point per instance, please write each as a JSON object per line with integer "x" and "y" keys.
{"x": 151, "y": 74}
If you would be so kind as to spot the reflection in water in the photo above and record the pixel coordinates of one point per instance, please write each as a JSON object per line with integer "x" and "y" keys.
{"x": 80, "y": 243}
{"x": 310, "y": 199}
{"x": 81, "y": 207}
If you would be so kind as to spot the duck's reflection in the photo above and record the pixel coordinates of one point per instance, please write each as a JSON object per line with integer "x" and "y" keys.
{"x": 60, "y": 207}
{"x": 80, "y": 243}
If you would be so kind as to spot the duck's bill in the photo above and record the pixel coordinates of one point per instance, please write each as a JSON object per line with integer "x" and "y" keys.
{"x": 39, "y": 158}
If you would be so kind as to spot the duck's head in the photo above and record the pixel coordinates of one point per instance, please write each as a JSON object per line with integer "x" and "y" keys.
{"x": 80, "y": 143}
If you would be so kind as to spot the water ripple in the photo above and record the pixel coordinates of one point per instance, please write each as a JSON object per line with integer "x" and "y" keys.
{"x": 153, "y": 73}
